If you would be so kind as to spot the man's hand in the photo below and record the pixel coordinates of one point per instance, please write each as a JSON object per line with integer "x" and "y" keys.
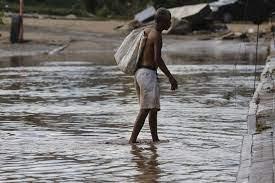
{"x": 174, "y": 83}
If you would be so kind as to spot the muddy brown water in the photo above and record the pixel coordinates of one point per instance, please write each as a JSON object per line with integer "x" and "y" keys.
{"x": 69, "y": 121}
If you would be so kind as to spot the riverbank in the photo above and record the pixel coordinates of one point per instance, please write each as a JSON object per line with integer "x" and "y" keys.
{"x": 258, "y": 155}
{"x": 59, "y": 39}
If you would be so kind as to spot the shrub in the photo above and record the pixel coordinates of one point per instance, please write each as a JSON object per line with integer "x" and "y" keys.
{"x": 52, "y": 7}
{"x": 102, "y": 8}
{"x": 128, "y": 8}
{"x": 1, "y": 11}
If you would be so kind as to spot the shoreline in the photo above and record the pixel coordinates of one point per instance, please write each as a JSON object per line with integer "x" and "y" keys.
{"x": 85, "y": 39}
{"x": 258, "y": 148}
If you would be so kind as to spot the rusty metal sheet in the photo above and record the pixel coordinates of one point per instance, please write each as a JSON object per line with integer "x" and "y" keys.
{"x": 186, "y": 11}
{"x": 215, "y": 5}
{"x": 145, "y": 14}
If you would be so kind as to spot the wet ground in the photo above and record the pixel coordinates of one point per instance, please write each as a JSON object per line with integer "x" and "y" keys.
{"x": 69, "y": 121}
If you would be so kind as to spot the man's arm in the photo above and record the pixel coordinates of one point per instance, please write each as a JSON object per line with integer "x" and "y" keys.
{"x": 159, "y": 61}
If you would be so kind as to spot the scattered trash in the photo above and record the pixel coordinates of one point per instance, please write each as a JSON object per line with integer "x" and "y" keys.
{"x": 251, "y": 31}
{"x": 59, "y": 49}
{"x": 236, "y": 35}
{"x": 244, "y": 37}
{"x": 126, "y": 28}
{"x": 179, "y": 27}
{"x": 71, "y": 16}
{"x": 184, "y": 20}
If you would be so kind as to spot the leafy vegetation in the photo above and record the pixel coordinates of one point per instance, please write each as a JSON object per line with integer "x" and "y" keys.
{"x": 1, "y": 11}
{"x": 128, "y": 8}
{"x": 54, "y": 7}
{"x": 101, "y": 8}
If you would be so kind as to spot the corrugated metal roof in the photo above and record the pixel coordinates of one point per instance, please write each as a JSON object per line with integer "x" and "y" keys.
{"x": 186, "y": 11}
{"x": 145, "y": 14}
{"x": 215, "y": 5}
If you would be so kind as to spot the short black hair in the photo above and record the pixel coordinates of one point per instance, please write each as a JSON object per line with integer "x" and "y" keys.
{"x": 161, "y": 13}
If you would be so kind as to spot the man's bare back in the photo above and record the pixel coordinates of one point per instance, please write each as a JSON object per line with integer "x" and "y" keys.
{"x": 148, "y": 58}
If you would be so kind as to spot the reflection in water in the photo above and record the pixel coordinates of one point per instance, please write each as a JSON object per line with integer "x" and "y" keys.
{"x": 19, "y": 61}
{"x": 16, "y": 61}
{"x": 146, "y": 163}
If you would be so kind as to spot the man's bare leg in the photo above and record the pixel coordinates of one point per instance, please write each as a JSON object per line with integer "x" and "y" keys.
{"x": 138, "y": 124}
{"x": 153, "y": 124}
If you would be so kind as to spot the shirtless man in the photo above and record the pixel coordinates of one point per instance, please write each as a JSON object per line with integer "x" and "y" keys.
{"x": 146, "y": 79}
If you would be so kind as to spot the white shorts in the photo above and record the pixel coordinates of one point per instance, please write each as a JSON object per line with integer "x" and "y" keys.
{"x": 147, "y": 87}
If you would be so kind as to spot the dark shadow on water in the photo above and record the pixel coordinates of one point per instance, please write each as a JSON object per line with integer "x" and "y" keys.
{"x": 23, "y": 61}
{"x": 16, "y": 61}
{"x": 146, "y": 160}
{"x": 19, "y": 61}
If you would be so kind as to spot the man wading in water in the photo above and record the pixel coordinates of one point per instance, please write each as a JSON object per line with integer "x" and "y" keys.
{"x": 146, "y": 79}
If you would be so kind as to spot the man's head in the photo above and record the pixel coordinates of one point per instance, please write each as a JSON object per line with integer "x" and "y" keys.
{"x": 163, "y": 18}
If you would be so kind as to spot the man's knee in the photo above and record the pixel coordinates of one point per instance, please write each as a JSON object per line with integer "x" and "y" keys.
{"x": 144, "y": 111}
{"x": 153, "y": 111}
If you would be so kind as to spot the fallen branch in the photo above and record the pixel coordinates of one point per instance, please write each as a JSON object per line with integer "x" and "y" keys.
{"x": 59, "y": 49}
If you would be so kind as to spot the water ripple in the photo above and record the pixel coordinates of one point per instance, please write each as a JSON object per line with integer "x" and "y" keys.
{"x": 70, "y": 121}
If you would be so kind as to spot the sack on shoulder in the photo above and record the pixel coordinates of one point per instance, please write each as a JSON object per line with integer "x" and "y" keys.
{"x": 130, "y": 51}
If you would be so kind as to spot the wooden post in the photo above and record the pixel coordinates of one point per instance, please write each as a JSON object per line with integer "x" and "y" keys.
{"x": 21, "y": 14}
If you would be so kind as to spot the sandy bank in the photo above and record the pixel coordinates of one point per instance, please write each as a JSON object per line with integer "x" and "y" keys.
{"x": 92, "y": 40}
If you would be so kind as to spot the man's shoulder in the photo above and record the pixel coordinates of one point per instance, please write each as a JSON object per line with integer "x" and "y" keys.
{"x": 153, "y": 34}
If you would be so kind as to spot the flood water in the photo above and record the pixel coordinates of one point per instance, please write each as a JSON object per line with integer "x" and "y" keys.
{"x": 70, "y": 122}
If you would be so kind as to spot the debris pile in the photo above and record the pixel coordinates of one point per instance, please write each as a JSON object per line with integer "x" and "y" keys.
{"x": 184, "y": 20}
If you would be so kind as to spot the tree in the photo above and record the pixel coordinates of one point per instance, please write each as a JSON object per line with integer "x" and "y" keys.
{"x": 175, "y": 3}
{"x": 128, "y": 8}
{"x": 1, "y": 11}
{"x": 91, "y": 5}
